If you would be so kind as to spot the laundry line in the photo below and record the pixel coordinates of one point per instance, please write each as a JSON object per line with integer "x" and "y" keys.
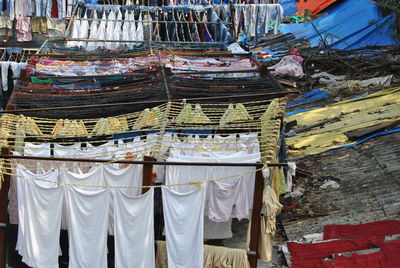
{"x": 198, "y": 183}
{"x": 271, "y": 94}
{"x": 140, "y": 162}
{"x": 151, "y": 21}
{"x": 134, "y": 41}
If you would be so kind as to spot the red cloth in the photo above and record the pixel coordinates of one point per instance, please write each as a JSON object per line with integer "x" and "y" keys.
{"x": 313, "y": 264}
{"x": 391, "y": 254}
{"x": 360, "y": 231}
{"x": 317, "y": 251}
{"x": 387, "y": 256}
{"x": 371, "y": 260}
{"x": 54, "y": 9}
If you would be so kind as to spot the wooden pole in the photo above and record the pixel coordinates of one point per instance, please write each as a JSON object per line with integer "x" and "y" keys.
{"x": 147, "y": 173}
{"x": 255, "y": 227}
{"x": 3, "y": 213}
{"x": 5, "y": 186}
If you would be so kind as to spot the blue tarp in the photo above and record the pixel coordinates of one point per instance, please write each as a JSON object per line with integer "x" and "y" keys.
{"x": 289, "y": 7}
{"x": 349, "y": 24}
{"x": 308, "y": 97}
{"x": 353, "y": 144}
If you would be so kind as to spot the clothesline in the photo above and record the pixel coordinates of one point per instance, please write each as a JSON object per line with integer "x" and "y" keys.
{"x": 198, "y": 183}
{"x": 150, "y": 21}
{"x": 139, "y": 162}
{"x": 271, "y": 94}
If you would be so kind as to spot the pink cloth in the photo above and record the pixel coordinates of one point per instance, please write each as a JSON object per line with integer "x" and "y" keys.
{"x": 23, "y": 29}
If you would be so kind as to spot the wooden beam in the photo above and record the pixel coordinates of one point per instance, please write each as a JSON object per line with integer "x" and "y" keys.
{"x": 5, "y": 186}
{"x": 147, "y": 173}
{"x": 255, "y": 228}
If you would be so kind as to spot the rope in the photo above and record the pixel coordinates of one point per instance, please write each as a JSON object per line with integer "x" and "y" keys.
{"x": 197, "y": 183}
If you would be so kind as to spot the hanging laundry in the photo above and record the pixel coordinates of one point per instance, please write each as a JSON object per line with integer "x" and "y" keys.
{"x": 27, "y": 126}
{"x": 132, "y": 30}
{"x": 101, "y": 31}
{"x": 39, "y": 25}
{"x": 228, "y": 199}
{"x": 66, "y": 150}
{"x": 83, "y": 30}
{"x": 41, "y": 220}
{"x": 117, "y": 30}
{"x": 139, "y": 29}
{"x": 124, "y": 177}
{"x": 110, "y": 29}
{"x": 4, "y": 74}
{"x": 67, "y": 128}
{"x": 184, "y": 223}
{"x": 87, "y": 212}
{"x": 235, "y": 113}
{"x": 149, "y": 118}
{"x": 93, "y": 32}
{"x": 134, "y": 229}
{"x": 22, "y": 175}
{"x": 76, "y": 24}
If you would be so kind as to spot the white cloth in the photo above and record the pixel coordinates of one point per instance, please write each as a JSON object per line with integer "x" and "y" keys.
{"x": 110, "y": 29}
{"x": 87, "y": 226}
{"x": 23, "y": 174}
{"x": 249, "y": 143}
{"x": 185, "y": 174}
{"x": 134, "y": 230}
{"x": 16, "y": 68}
{"x": 42, "y": 220}
{"x": 93, "y": 177}
{"x": 66, "y": 150}
{"x": 129, "y": 176}
{"x": 184, "y": 223}
{"x": 117, "y": 30}
{"x": 42, "y": 149}
{"x": 132, "y": 31}
{"x": 290, "y": 174}
{"x": 101, "y": 31}
{"x": 93, "y": 32}
{"x": 75, "y": 33}
{"x": 125, "y": 29}
{"x": 83, "y": 31}
{"x": 139, "y": 29}
{"x": 228, "y": 199}
{"x": 4, "y": 74}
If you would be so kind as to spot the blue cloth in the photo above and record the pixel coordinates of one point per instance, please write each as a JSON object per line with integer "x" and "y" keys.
{"x": 308, "y": 97}
{"x": 127, "y": 137}
{"x": 354, "y": 144}
{"x": 348, "y": 25}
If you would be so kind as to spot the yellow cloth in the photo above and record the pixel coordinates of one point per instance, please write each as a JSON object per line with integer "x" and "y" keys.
{"x": 39, "y": 25}
{"x": 6, "y": 23}
{"x": 271, "y": 206}
{"x": 278, "y": 181}
{"x": 379, "y": 108}
{"x": 214, "y": 257}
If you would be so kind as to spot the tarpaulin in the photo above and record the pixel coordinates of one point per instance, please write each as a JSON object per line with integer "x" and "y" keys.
{"x": 308, "y": 97}
{"x": 315, "y": 6}
{"x": 289, "y": 7}
{"x": 365, "y": 230}
{"x": 318, "y": 251}
{"x": 349, "y": 24}
{"x": 335, "y": 120}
